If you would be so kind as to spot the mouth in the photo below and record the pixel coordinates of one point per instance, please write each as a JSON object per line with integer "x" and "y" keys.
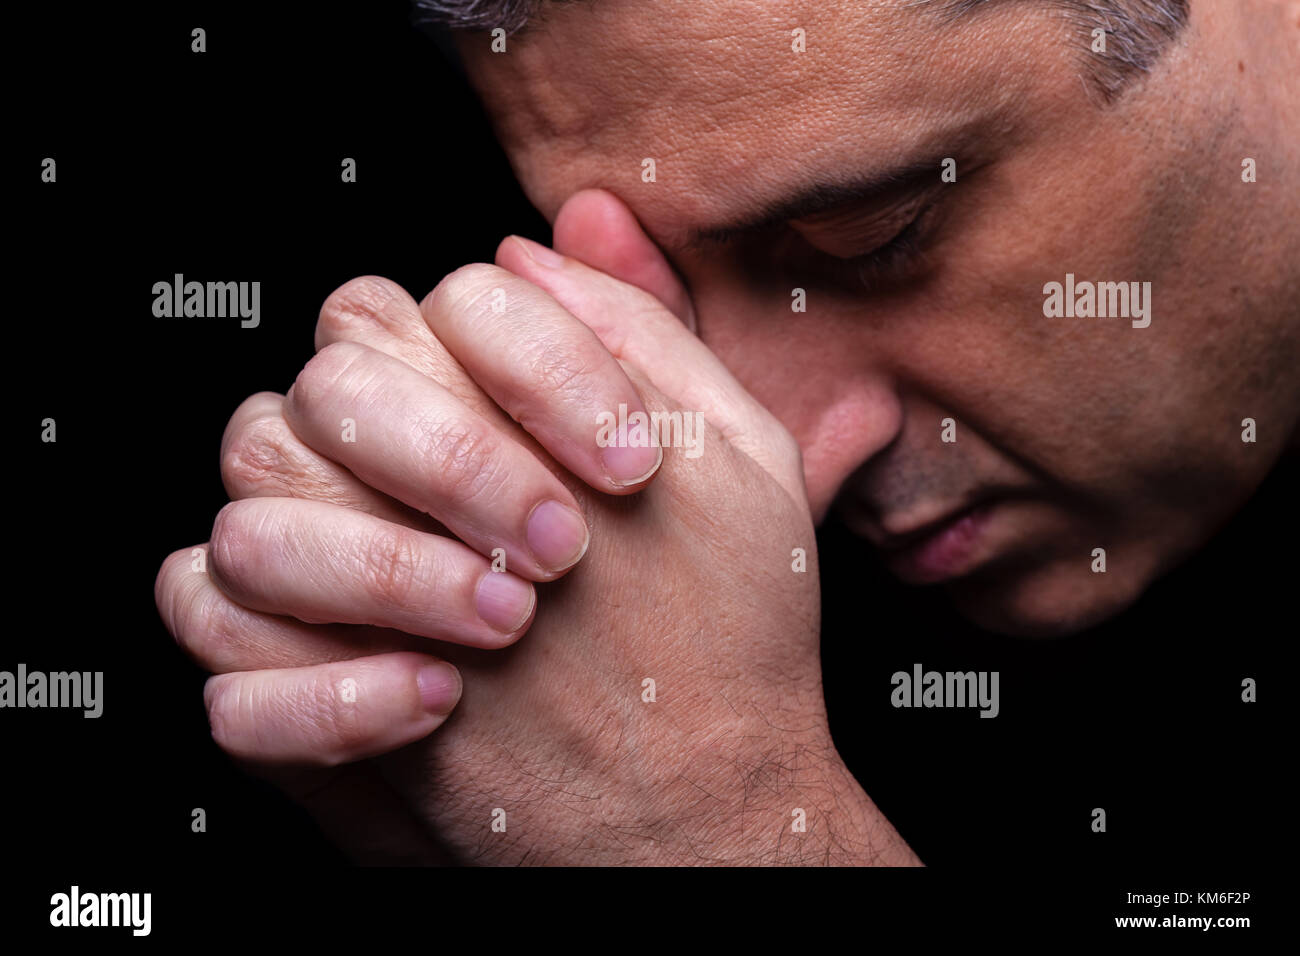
{"x": 940, "y": 550}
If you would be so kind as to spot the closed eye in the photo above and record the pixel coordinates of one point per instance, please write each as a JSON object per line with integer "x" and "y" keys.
{"x": 887, "y": 266}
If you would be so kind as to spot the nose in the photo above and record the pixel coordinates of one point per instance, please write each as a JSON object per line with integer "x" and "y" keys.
{"x": 825, "y": 375}
{"x": 841, "y": 422}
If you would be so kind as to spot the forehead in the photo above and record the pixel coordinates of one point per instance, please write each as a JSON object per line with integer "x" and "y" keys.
{"x": 731, "y": 114}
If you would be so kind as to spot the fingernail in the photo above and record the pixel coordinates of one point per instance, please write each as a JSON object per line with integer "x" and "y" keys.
{"x": 504, "y": 601}
{"x": 540, "y": 254}
{"x": 631, "y": 465}
{"x": 557, "y": 536}
{"x": 439, "y": 688}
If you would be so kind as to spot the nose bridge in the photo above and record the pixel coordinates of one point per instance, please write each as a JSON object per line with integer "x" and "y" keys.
{"x": 824, "y": 377}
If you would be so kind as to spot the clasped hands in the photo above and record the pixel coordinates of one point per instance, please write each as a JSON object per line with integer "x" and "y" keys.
{"x": 640, "y": 684}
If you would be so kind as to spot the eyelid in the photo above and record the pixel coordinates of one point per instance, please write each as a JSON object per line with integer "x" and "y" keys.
{"x": 850, "y": 233}
{"x": 898, "y": 260}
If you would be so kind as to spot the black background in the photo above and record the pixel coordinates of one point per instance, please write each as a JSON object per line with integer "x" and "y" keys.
{"x": 226, "y": 165}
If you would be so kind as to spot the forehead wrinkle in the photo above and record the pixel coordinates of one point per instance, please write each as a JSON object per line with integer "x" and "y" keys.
{"x": 733, "y": 107}
{"x": 729, "y": 45}
{"x": 701, "y": 116}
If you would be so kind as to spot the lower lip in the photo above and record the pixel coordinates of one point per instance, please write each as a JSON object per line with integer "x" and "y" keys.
{"x": 950, "y": 551}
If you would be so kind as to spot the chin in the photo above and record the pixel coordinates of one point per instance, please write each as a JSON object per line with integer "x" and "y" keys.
{"x": 1050, "y": 603}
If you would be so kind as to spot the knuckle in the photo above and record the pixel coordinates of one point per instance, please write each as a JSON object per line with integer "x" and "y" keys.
{"x": 172, "y": 592}
{"x": 325, "y": 717}
{"x": 327, "y": 371}
{"x": 213, "y": 632}
{"x": 460, "y": 290}
{"x": 221, "y": 699}
{"x": 391, "y": 566}
{"x": 258, "y": 458}
{"x": 462, "y": 455}
{"x": 185, "y": 602}
{"x": 264, "y": 458}
{"x": 354, "y": 308}
{"x": 553, "y": 371}
{"x": 257, "y": 405}
{"x": 235, "y": 551}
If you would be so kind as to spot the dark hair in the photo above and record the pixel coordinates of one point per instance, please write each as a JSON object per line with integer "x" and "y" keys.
{"x": 1137, "y": 31}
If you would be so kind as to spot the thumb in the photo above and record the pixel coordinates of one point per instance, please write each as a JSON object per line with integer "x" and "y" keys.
{"x": 639, "y": 331}
{"x": 596, "y": 228}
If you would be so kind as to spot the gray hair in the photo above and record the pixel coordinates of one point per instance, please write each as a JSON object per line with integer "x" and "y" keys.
{"x": 511, "y": 15}
{"x": 1137, "y": 31}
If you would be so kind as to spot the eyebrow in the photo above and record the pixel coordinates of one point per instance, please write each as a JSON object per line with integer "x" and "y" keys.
{"x": 820, "y": 198}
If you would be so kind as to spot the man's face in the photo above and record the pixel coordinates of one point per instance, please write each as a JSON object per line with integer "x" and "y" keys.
{"x": 1071, "y": 433}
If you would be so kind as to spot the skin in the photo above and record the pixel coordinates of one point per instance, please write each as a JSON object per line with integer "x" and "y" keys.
{"x": 1072, "y": 433}
{"x": 558, "y": 730}
{"x": 1082, "y": 430}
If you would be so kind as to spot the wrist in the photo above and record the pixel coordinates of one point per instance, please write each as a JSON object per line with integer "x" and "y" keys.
{"x": 766, "y": 799}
